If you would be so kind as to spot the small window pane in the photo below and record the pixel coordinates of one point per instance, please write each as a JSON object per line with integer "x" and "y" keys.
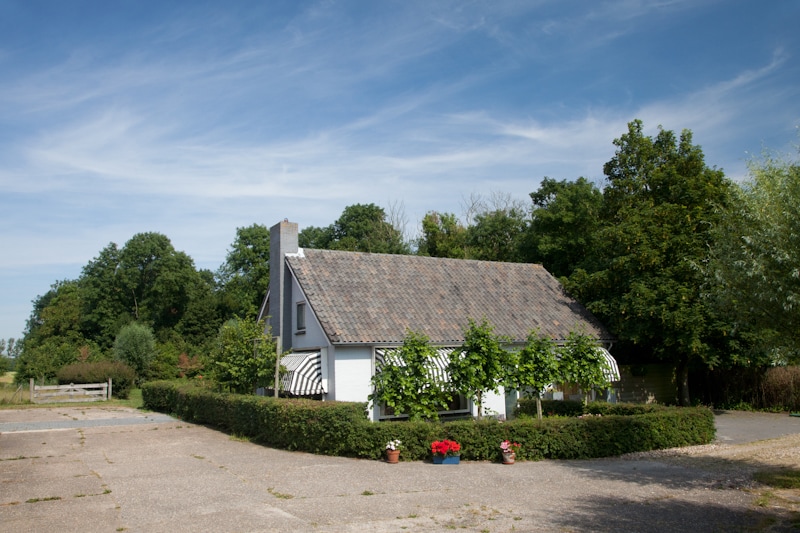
{"x": 301, "y": 316}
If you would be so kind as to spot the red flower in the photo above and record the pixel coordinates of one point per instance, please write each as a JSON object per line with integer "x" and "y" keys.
{"x": 445, "y": 448}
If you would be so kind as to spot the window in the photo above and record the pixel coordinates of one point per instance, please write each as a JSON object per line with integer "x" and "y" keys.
{"x": 301, "y": 317}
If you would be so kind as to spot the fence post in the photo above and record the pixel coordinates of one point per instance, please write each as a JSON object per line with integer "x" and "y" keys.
{"x": 32, "y": 387}
{"x": 109, "y": 389}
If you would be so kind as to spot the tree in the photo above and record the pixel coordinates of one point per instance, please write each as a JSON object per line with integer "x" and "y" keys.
{"x": 442, "y": 236}
{"x": 155, "y": 279}
{"x": 136, "y": 346}
{"x": 360, "y": 228}
{"x": 753, "y": 273}
{"x": 477, "y": 366}
{"x": 643, "y": 280}
{"x": 582, "y": 363}
{"x": 244, "y": 359}
{"x": 244, "y": 276}
{"x": 497, "y": 235}
{"x": 406, "y": 383}
{"x": 534, "y": 367}
{"x": 564, "y": 219}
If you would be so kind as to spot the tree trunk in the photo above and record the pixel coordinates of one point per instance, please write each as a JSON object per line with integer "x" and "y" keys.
{"x": 682, "y": 378}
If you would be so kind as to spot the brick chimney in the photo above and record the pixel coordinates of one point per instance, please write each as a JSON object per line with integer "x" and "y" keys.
{"x": 283, "y": 239}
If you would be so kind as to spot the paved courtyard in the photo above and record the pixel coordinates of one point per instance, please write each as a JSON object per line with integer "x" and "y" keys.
{"x": 115, "y": 469}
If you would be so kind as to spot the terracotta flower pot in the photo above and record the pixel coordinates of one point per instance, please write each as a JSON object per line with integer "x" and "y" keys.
{"x": 392, "y": 456}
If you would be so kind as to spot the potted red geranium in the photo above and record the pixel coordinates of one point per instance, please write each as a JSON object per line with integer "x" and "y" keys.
{"x": 446, "y": 452}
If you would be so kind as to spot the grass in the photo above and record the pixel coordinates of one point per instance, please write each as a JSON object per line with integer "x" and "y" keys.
{"x": 784, "y": 478}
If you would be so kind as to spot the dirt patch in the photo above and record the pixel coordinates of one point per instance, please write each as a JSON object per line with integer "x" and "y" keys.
{"x": 737, "y": 466}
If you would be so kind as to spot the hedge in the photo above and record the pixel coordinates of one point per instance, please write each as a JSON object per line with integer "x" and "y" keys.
{"x": 342, "y": 428}
{"x": 122, "y": 376}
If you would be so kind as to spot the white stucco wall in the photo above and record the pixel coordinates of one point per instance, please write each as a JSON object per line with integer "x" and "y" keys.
{"x": 493, "y": 404}
{"x": 353, "y": 371}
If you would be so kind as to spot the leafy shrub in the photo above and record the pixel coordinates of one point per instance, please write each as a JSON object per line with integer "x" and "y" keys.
{"x": 342, "y": 428}
{"x": 527, "y": 406}
{"x": 122, "y": 376}
{"x": 780, "y": 388}
{"x": 136, "y": 346}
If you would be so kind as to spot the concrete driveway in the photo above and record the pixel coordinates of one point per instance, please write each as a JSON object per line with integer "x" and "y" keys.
{"x": 113, "y": 469}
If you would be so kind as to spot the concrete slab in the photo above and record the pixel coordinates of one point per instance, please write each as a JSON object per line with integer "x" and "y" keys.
{"x": 168, "y": 475}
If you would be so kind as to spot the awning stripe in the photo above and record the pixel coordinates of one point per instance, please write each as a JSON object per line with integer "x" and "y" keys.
{"x": 442, "y": 359}
{"x": 303, "y": 375}
{"x": 437, "y": 368}
{"x": 612, "y": 371}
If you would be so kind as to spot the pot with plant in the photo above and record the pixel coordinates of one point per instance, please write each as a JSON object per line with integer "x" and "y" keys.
{"x": 446, "y": 452}
{"x": 393, "y": 448}
{"x": 509, "y": 451}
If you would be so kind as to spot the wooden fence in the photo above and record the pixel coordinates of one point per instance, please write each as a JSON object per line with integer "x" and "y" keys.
{"x": 84, "y": 392}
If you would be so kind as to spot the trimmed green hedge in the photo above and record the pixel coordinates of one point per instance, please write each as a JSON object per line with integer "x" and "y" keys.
{"x": 342, "y": 428}
{"x": 550, "y": 408}
{"x": 122, "y": 376}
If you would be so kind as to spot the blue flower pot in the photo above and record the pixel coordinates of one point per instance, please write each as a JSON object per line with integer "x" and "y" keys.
{"x": 451, "y": 460}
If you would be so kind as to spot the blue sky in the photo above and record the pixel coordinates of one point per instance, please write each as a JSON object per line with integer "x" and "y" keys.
{"x": 194, "y": 118}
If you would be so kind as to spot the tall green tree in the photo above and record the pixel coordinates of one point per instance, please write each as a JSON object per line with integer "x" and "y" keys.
{"x": 360, "y": 228}
{"x": 155, "y": 279}
{"x": 442, "y": 236}
{"x": 533, "y": 368}
{"x": 754, "y": 273}
{"x": 563, "y": 224}
{"x": 659, "y": 204}
{"x": 478, "y": 366}
{"x": 244, "y": 358}
{"x": 244, "y": 277}
{"x": 581, "y": 362}
{"x": 497, "y": 235}
{"x": 406, "y": 383}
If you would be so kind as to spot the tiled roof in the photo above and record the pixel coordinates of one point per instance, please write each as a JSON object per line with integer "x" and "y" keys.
{"x": 376, "y": 298}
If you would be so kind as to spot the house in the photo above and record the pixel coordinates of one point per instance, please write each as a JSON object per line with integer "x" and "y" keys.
{"x": 339, "y": 311}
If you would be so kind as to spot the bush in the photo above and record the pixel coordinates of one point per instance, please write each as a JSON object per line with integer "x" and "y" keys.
{"x": 780, "y": 388}
{"x": 527, "y": 406}
{"x": 342, "y": 428}
{"x": 122, "y": 376}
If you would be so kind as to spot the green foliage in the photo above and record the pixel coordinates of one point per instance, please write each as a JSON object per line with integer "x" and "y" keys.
{"x": 244, "y": 276}
{"x": 244, "y": 358}
{"x": 122, "y": 376}
{"x": 582, "y": 363}
{"x": 642, "y": 279}
{"x": 360, "y": 228}
{"x": 563, "y": 222}
{"x": 340, "y": 428}
{"x": 478, "y": 365}
{"x": 550, "y": 408}
{"x": 442, "y": 236}
{"x": 497, "y": 235}
{"x": 136, "y": 346}
{"x": 534, "y": 367}
{"x": 42, "y": 360}
{"x": 406, "y": 382}
{"x": 754, "y": 268}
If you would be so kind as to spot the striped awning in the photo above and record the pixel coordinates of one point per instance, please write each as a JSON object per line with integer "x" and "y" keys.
{"x": 303, "y": 375}
{"x": 611, "y": 371}
{"x": 438, "y": 363}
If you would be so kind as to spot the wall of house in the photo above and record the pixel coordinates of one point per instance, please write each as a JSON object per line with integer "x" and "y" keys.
{"x": 353, "y": 374}
{"x": 313, "y": 337}
{"x": 494, "y": 404}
